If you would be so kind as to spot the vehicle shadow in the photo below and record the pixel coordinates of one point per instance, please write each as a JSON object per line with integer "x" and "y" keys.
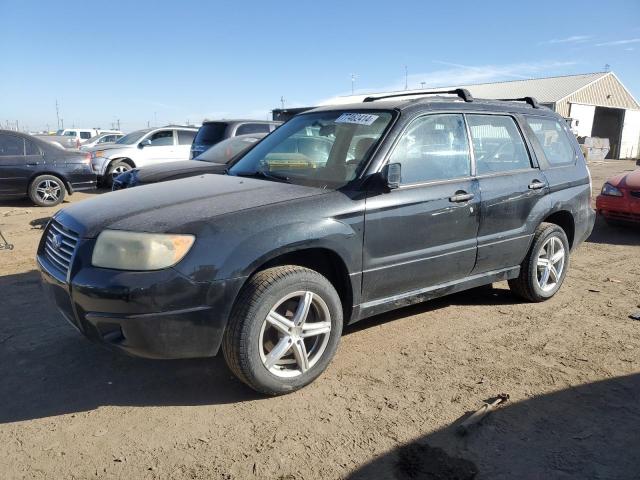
{"x": 604, "y": 233}
{"x": 588, "y": 431}
{"x": 47, "y": 368}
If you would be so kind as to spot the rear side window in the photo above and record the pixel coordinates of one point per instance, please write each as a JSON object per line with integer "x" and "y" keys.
{"x": 162, "y": 138}
{"x": 11, "y": 146}
{"x": 30, "y": 148}
{"x": 434, "y": 147}
{"x": 497, "y": 144}
{"x": 210, "y": 133}
{"x": 554, "y": 141}
{"x": 85, "y": 135}
{"x": 185, "y": 137}
{"x": 246, "y": 128}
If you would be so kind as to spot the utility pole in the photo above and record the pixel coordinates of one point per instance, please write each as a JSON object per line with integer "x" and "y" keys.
{"x": 155, "y": 119}
{"x": 118, "y": 124}
{"x": 147, "y": 123}
{"x": 607, "y": 67}
{"x": 282, "y": 102}
{"x": 422, "y": 84}
{"x": 353, "y": 82}
{"x": 58, "y": 114}
{"x": 406, "y": 77}
{"x": 62, "y": 123}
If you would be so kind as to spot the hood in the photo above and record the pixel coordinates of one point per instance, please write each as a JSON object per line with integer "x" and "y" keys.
{"x": 113, "y": 146}
{"x": 172, "y": 206}
{"x": 166, "y": 171}
{"x": 626, "y": 180}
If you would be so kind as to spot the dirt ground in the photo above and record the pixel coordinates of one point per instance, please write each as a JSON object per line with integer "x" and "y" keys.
{"x": 387, "y": 407}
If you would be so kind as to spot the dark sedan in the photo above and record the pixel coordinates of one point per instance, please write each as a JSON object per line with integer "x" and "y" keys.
{"x": 30, "y": 167}
{"x": 214, "y": 160}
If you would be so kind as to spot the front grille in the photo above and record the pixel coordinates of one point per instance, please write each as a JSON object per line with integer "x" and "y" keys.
{"x": 59, "y": 245}
{"x": 635, "y": 194}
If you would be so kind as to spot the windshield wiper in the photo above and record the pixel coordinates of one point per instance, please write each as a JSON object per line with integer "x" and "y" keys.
{"x": 267, "y": 175}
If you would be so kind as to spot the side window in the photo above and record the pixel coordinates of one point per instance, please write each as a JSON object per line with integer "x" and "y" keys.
{"x": 185, "y": 137}
{"x": 497, "y": 144}
{"x": 554, "y": 141}
{"x": 246, "y": 128}
{"x": 162, "y": 138}
{"x": 31, "y": 148}
{"x": 434, "y": 147}
{"x": 11, "y": 146}
{"x": 85, "y": 135}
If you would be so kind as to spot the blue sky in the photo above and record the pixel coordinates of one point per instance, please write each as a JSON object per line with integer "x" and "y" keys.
{"x": 161, "y": 61}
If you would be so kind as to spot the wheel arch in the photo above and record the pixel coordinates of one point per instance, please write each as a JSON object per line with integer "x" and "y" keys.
{"x": 565, "y": 220}
{"x": 323, "y": 260}
{"x": 120, "y": 159}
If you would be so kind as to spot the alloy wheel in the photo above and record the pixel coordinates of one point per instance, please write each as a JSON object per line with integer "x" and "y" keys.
{"x": 48, "y": 191}
{"x": 550, "y": 264}
{"x": 295, "y": 334}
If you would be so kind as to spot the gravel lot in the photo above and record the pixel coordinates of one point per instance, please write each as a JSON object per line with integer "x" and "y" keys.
{"x": 394, "y": 393}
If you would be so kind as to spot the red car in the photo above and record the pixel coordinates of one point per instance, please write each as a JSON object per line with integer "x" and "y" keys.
{"x": 619, "y": 200}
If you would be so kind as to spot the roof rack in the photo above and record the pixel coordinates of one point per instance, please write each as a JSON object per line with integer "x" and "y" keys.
{"x": 463, "y": 93}
{"x": 530, "y": 100}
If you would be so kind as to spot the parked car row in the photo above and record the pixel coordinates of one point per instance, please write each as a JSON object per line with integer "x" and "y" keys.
{"x": 75, "y": 137}
{"x": 341, "y": 213}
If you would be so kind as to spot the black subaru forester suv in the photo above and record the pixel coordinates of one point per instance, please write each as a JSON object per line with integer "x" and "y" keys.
{"x": 416, "y": 198}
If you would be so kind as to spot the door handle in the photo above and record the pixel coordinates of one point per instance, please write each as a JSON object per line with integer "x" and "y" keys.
{"x": 536, "y": 185}
{"x": 461, "y": 196}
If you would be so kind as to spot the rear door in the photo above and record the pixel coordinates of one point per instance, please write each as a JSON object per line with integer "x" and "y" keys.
{"x": 424, "y": 232}
{"x": 512, "y": 188}
{"x": 14, "y": 170}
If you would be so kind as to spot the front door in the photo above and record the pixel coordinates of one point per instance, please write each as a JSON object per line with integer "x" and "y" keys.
{"x": 161, "y": 149}
{"x": 511, "y": 186}
{"x": 424, "y": 232}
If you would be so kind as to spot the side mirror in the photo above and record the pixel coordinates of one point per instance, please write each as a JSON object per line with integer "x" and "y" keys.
{"x": 144, "y": 143}
{"x": 392, "y": 175}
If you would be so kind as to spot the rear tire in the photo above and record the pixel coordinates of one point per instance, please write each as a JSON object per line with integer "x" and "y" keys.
{"x": 47, "y": 191}
{"x": 545, "y": 266}
{"x": 115, "y": 169}
{"x": 284, "y": 329}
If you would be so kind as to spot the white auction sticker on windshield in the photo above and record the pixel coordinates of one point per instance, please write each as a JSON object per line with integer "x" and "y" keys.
{"x": 357, "y": 118}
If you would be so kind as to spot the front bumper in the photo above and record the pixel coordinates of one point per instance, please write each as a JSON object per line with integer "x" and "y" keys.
{"x": 623, "y": 209}
{"x": 158, "y": 314}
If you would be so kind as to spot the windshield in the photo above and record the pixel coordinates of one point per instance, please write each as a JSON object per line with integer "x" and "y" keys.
{"x": 325, "y": 149}
{"x": 227, "y": 149}
{"x": 132, "y": 137}
{"x": 210, "y": 133}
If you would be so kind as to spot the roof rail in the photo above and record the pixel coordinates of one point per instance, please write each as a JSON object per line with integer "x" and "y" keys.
{"x": 463, "y": 93}
{"x": 530, "y": 100}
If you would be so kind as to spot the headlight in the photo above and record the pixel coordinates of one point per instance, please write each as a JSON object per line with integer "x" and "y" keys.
{"x": 99, "y": 153}
{"x": 122, "y": 250}
{"x": 610, "y": 190}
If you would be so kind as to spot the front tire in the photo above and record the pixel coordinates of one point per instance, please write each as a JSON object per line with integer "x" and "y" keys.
{"x": 284, "y": 329}
{"x": 47, "y": 191}
{"x": 545, "y": 266}
{"x": 115, "y": 169}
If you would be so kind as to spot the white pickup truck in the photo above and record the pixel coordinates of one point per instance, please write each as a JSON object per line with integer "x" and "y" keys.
{"x": 73, "y": 137}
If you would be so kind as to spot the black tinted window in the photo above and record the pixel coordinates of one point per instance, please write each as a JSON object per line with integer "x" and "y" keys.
{"x": 497, "y": 144}
{"x": 210, "y": 133}
{"x": 246, "y": 128}
{"x": 553, "y": 139}
{"x": 162, "y": 138}
{"x": 11, "y": 145}
{"x": 85, "y": 135}
{"x": 31, "y": 148}
{"x": 185, "y": 137}
{"x": 434, "y": 147}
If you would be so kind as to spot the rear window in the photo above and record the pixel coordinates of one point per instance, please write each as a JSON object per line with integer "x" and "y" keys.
{"x": 185, "y": 137}
{"x": 553, "y": 138}
{"x": 210, "y": 133}
{"x": 246, "y": 128}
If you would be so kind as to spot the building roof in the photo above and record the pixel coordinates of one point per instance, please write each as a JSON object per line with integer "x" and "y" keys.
{"x": 545, "y": 90}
